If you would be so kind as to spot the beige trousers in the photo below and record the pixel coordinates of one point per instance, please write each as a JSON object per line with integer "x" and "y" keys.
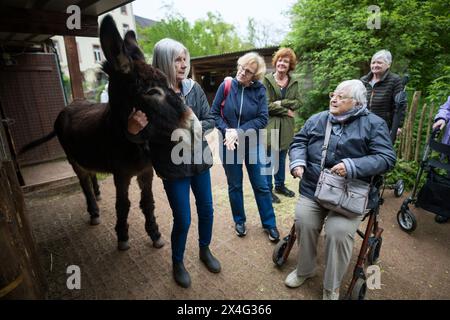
{"x": 339, "y": 238}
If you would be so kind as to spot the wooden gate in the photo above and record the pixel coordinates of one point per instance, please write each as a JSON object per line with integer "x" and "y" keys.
{"x": 21, "y": 276}
{"x": 31, "y": 96}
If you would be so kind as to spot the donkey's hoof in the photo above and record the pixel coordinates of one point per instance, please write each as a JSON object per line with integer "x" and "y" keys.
{"x": 95, "y": 221}
{"x": 159, "y": 243}
{"x": 123, "y": 246}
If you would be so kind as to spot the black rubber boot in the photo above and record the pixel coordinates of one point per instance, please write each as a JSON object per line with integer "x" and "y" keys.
{"x": 275, "y": 198}
{"x": 209, "y": 260}
{"x": 181, "y": 275}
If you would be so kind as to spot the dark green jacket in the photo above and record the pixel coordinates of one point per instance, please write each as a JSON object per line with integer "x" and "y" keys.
{"x": 278, "y": 118}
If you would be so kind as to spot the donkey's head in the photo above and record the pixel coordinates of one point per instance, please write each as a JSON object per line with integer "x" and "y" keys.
{"x": 135, "y": 84}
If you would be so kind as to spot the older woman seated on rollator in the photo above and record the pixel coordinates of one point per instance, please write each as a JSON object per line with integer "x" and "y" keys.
{"x": 359, "y": 147}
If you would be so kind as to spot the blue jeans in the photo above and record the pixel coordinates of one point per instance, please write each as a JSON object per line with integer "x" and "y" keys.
{"x": 178, "y": 193}
{"x": 280, "y": 175}
{"x": 263, "y": 197}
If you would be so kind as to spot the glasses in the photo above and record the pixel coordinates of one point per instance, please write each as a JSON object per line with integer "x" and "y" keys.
{"x": 338, "y": 96}
{"x": 245, "y": 71}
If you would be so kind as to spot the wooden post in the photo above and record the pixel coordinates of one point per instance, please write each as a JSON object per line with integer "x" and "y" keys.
{"x": 194, "y": 74}
{"x": 21, "y": 275}
{"x": 412, "y": 120}
{"x": 430, "y": 121}
{"x": 419, "y": 133}
{"x": 74, "y": 68}
{"x": 405, "y": 132}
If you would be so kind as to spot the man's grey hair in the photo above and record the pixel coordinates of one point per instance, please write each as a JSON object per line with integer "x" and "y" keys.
{"x": 383, "y": 55}
{"x": 355, "y": 89}
{"x": 164, "y": 55}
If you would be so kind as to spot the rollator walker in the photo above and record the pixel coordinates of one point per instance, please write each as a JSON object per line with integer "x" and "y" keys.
{"x": 434, "y": 194}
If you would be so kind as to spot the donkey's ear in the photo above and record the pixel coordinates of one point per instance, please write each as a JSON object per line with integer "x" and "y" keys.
{"x": 113, "y": 46}
{"x": 132, "y": 46}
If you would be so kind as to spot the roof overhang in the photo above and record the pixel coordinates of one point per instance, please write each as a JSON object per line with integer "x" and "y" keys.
{"x": 34, "y": 21}
{"x": 223, "y": 62}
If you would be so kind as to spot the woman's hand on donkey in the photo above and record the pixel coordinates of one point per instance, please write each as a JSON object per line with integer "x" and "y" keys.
{"x": 137, "y": 121}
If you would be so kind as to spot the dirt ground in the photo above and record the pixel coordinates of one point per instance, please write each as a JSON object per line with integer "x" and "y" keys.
{"x": 413, "y": 266}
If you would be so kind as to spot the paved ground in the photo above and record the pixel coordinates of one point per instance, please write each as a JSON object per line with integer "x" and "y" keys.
{"x": 413, "y": 266}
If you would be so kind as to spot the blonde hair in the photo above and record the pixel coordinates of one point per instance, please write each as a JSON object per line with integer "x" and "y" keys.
{"x": 288, "y": 53}
{"x": 254, "y": 58}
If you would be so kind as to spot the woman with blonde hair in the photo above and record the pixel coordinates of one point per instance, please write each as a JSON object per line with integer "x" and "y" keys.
{"x": 243, "y": 114}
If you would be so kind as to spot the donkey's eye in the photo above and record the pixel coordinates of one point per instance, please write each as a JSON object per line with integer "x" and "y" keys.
{"x": 154, "y": 91}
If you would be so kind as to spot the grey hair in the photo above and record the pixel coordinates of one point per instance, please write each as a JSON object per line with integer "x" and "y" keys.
{"x": 384, "y": 55}
{"x": 165, "y": 53}
{"x": 356, "y": 89}
{"x": 253, "y": 57}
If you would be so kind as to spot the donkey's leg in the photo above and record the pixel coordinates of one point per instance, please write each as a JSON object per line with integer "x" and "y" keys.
{"x": 95, "y": 186}
{"x": 147, "y": 205}
{"x": 122, "y": 184}
{"x": 86, "y": 186}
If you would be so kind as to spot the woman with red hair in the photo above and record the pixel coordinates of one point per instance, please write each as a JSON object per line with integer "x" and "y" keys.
{"x": 283, "y": 99}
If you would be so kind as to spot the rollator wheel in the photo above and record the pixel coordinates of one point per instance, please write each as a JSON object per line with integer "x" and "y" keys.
{"x": 406, "y": 220}
{"x": 359, "y": 290}
{"x": 399, "y": 188}
{"x": 278, "y": 251}
{"x": 374, "y": 251}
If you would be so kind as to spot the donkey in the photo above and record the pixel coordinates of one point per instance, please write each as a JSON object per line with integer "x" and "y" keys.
{"x": 95, "y": 137}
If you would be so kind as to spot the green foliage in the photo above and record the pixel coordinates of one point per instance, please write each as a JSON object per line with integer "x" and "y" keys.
{"x": 406, "y": 171}
{"x": 205, "y": 37}
{"x": 334, "y": 44}
{"x": 439, "y": 89}
{"x": 67, "y": 87}
{"x": 99, "y": 91}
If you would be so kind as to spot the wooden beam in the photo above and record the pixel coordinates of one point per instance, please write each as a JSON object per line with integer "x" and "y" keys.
{"x": 40, "y": 4}
{"x": 83, "y": 4}
{"x": 74, "y": 68}
{"x": 44, "y": 22}
{"x": 30, "y": 37}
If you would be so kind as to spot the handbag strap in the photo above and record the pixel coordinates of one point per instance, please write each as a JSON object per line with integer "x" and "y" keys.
{"x": 325, "y": 144}
{"x": 325, "y": 147}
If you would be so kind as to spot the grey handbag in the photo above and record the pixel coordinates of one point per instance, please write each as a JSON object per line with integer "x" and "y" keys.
{"x": 348, "y": 197}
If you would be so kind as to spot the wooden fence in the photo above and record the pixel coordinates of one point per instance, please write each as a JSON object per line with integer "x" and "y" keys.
{"x": 413, "y": 137}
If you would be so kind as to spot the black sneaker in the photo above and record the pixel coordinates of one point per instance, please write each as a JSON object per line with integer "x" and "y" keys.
{"x": 275, "y": 199}
{"x": 284, "y": 191}
{"x": 440, "y": 219}
{"x": 240, "y": 229}
{"x": 273, "y": 233}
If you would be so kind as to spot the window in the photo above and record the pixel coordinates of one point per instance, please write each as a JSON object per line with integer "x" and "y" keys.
{"x": 97, "y": 53}
{"x": 125, "y": 28}
{"x": 123, "y": 10}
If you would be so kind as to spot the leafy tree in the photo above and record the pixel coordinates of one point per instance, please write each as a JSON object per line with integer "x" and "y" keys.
{"x": 334, "y": 43}
{"x": 205, "y": 37}
{"x": 260, "y": 34}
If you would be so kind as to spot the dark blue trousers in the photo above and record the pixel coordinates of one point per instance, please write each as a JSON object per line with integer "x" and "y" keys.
{"x": 178, "y": 193}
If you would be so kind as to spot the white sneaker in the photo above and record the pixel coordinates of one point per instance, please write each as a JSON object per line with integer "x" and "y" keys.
{"x": 330, "y": 295}
{"x": 294, "y": 281}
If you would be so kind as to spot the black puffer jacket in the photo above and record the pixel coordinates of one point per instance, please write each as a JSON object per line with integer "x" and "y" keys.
{"x": 380, "y": 97}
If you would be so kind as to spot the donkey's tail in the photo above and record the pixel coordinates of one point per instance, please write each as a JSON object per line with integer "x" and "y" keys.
{"x": 37, "y": 142}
